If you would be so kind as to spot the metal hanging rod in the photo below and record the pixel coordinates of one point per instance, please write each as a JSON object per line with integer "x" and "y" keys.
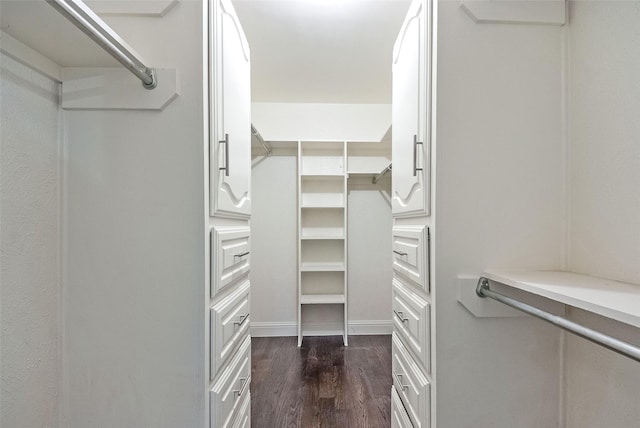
{"x": 256, "y": 134}
{"x": 382, "y": 174}
{"x": 89, "y": 23}
{"x": 624, "y": 348}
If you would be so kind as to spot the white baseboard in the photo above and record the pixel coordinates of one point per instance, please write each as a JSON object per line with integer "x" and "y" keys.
{"x": 273, "y": 329}
{"x": 356, "y": 327}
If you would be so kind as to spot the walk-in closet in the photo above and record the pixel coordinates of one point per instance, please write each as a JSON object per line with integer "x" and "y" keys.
{"x": 295, "y": 213}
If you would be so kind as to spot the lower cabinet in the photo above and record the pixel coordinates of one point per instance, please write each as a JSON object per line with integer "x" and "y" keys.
{"x": 411, "y": 385}
{"x": 399, "y": 416}
{"x": 230, "y": 393}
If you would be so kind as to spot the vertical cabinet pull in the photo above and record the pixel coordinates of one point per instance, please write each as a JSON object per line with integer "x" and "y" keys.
{"x": 415, "y": 155}
{"x": 226, "y": 155}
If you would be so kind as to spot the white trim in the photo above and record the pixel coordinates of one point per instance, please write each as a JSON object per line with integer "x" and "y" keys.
{"x": 152, "y": 9}
{"x": 542, "y": 12}
{"x": 29, "y": 57}
{"x": 289, "y": 328}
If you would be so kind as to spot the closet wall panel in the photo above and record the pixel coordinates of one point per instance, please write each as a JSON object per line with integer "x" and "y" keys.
{"x": 135, "y": 262}
{"x": 603, "y": 387}
{"x": 495, "y": 207}
{"x": 30, "y": 246}
{"x": 273, "y": 247}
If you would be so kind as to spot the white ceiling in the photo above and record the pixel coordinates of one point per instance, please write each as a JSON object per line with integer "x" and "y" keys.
{"x": 321, "y": 51}
{"x": 311, "y": 51}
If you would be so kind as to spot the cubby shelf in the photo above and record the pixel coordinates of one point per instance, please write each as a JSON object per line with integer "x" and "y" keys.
{"x": 322, "y": 299}
{"x": 322, "y": 267}
{"x": 322, "y": 224}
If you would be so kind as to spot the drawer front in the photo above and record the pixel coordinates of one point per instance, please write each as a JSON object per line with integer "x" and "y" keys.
{"x": 411, "y": 254}
{"x": 228, "y": 393}
{"x": 230, "y": 257}
{"x": 412, "y": 322}
{"x": 229, "y": 325}
{"x": 243, "y": 418}
{"x": 399, "y": 416}
{"x": 411, "y": 384}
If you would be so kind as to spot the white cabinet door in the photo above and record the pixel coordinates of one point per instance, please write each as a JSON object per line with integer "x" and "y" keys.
{"x": 410, "y": 133}
{"x": 230, "y": 99}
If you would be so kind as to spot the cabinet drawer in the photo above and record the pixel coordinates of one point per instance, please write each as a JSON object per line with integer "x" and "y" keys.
{"x": 229, "y": 325}
{"x": 412, "y": 322}
{"x": 411, "y": 384}
{"x": 243, "y": 417}
{"x": 228, "y": 393}
{"x": 411, "y": 254}
{"x": 399, "y": 416}
{"x": 229, "y": 257}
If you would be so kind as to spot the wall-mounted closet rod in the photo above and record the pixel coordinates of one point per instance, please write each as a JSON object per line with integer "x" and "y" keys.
{"x": 256, "y": 134}
{"x": 382, "y": 174}
{"x": 89, "y": 23}
{"x": 624, "y": 348}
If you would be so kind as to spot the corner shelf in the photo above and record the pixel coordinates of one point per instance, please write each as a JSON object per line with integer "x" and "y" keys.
{"x": 322, "y": 229}
{"x": 619, "y": 301}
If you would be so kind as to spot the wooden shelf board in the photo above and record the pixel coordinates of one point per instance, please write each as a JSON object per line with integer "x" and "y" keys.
{"x": 612, "y": 299}
{"x": 319, "y": 299}
{"x": 322, "y": 267}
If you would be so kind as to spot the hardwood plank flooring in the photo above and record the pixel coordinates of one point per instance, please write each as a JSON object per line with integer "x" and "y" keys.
{"x": 322, "y": 384}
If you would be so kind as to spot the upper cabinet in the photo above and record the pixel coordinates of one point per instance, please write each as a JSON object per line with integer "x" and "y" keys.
{"x": 410, "y": 114}
{"x": 230, "y": 109}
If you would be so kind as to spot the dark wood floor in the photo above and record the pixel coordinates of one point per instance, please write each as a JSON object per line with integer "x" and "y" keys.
{"x": 321, "y": 384}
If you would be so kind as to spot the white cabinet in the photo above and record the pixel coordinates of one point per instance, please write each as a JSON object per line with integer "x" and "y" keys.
{"x": 230, "y": 96}
{"x": 322, "y": 224}
{"x": 410, "y": 132}
{"x": 227, "y": 236}
{"x": 413, "y": 338}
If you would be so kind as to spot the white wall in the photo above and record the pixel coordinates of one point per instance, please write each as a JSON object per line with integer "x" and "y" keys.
{"x": 321, "y": 122}
{"x": 603, "y": 388}
{"x": 499, "y": 203}
{"x": 30, "y": 245}
{"x": 274, "y": 255}
{"x": 369, "y": 252}
{"x": 134, "y": 341}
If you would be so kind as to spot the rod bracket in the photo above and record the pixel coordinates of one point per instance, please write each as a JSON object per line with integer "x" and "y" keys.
{"x": 154, "y": 79}
{"x": 483, "y": 284}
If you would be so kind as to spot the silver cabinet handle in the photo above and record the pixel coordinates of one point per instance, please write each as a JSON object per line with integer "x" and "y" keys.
{"x": 402, "y": 387}
{"x": 241, "y": 321}
{"x": 226, "y": 155}
{"x": 246, "y": 253}
{"x": 238, "y": 392}
{"x": 415, "y": 155}
{"x": 400, "y": 316}
{"x": 400, "y": 253}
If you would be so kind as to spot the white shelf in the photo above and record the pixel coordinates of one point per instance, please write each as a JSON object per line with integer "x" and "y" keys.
{"x": 328, "y": 205}
{"x": 322, "y": 267}
{"x": 321, "y": 299}
{"x": 323, "y": 176}
{"x": 612, "y": 299}
{"x": 319, "y": 237}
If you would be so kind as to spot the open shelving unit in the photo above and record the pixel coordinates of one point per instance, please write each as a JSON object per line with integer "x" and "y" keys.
{"x": 322, "y": 224}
